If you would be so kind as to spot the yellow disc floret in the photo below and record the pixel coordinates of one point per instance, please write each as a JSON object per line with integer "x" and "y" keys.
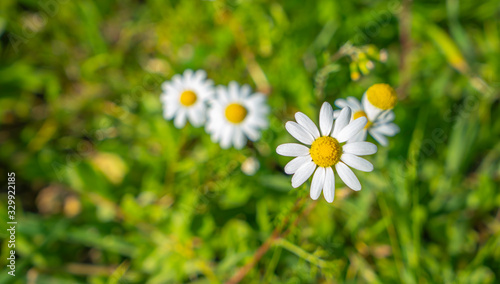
{"x": 188, "y": 98}
{"x": 359, "y": 114}
{"x": 236, "y": 113}
{"x": 382, "y": 96}
{"x": 325, "y": 151}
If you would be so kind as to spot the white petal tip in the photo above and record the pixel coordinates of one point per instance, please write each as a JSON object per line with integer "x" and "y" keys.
{"x": 363, "y": 119}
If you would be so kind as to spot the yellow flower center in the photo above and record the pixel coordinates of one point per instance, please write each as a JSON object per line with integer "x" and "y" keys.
{"x": 188, "y": 98}
{"x": 382, "y": 96}
{"x": 325, "y": 151}
{"x": 359, "y": 114}
{"x": 236, "y": 113}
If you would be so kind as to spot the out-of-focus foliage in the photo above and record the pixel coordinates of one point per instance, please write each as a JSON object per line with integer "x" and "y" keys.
{"x": 110, "y": 192}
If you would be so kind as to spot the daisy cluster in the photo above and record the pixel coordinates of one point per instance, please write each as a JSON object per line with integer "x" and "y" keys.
{"x": 340, "y": 140}
{"x": 231, "y": 114}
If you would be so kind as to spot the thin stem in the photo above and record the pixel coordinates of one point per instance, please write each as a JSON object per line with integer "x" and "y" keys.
{"x": 393, "y": 239}
{"x": 298, "y": 251}
{"x": 277, "y": 234}
{"x": 406, "y": 45}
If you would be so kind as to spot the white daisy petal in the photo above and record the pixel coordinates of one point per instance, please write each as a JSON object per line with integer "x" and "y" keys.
{"x": 389, "y": 129}
{"x": 177, "y": 82}
{"x": 164, "y": 97}
{"x": 222, "y": 94}
{"x": 302, "y": 174}
{"x": 199, "y": 75}
{"x": 341, "y": 121}
{"x": 356, "y": 162}
{"x": 261, "y": 111}
{"x": 299, "y": 132}
{"x": 168, "y": 87}
{"x": 201, "y": 113}
{"x": 180, "y": 118}
{"x": 211, "y": 126}
{"x": 336, "y": 113}
{"x": 292, "y": 150}
{"x": 216, "y": 136}
{"x": 379, "y": 137}
{"x": 233, "y": 90}
{"x": 206, "y": 91}
{"x": 326, "y": 119}
{"x": 245, "y": 91}
{"x": 347, "y": 176}
{"x": 361, "y": 136}
{"x": 307, "y": 123}
{"x": 352, "y": 129}
{"x": 187, "y": 76}
{"x": 238, "y": 138}
{"x": 317, "y": 183}
{"x": 388, "y": 116}
{"x": 227, "y": 133}
{"x": 329, "y": 186}
{"x": 257, "y": 99}
{"x": 296, "y": 163}
{"x": 360, "y": 148}
{"x": 341, "y": 103}
{"x": 354, "y": 103}
{"x": 257, "y": 120}
{"x": 169, "y": 111}
{"x": 371, "y": 111}
{"x": 251, "y": 132}
{"x": 195, "y": 117}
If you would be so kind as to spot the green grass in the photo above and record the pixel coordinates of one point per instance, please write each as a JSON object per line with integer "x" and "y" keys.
{"x": 110, "y": 192}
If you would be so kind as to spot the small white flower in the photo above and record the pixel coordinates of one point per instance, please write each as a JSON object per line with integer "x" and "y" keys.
{"x": 235, "y": 114}
{"x": 250, "y": 166}
{"x": 380, "y": 119}
{"x": 184, "y": 98}
{"x": 326, "y": 151}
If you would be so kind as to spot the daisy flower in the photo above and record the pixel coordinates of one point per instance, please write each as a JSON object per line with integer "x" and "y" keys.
{"x": 235, "y": 115}
{"x": 329, "y": 149}
{"x": 376, "y": 106}
{"x": 184, "y": 98}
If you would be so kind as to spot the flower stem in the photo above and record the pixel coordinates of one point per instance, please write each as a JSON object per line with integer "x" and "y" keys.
{"x": 276, "y": 235}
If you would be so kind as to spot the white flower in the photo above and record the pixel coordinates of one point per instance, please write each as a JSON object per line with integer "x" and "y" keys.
{"x": 250, "y": 166}
{"x": 326, "y": 151}
{"x": 185, "y": 96}
{"x": 380, "y": 120}
{"x": 236, "y": 114}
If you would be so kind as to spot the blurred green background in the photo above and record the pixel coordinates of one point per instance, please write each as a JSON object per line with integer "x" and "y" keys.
{"x": 110, "y": 192}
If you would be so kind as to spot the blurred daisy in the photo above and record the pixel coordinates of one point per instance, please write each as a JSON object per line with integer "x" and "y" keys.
{"x": 184, "y": 97}
{"x": 250, "y": 166}
{"x": 327, "y": 151}
{"x": 379, "y": 125}
{"x": 379, "y": 99}
{"x": 235, "y": 115}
